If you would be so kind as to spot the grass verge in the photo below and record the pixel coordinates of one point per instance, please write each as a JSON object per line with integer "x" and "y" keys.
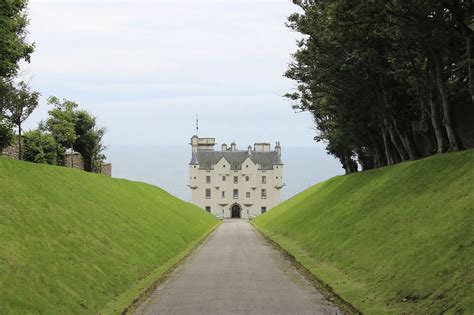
{"x": 76, "y": 243}
{"x": 394, "y": 240}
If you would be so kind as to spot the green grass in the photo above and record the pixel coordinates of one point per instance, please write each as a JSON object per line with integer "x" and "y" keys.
{"x": 380, "y": 236}
{"x": 78, "y": 243}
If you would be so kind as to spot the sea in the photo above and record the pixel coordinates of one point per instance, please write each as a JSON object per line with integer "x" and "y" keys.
{"x": 167, "y": 167}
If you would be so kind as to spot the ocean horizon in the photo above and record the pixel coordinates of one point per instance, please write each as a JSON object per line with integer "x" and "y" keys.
{"x": 167, "y": 167}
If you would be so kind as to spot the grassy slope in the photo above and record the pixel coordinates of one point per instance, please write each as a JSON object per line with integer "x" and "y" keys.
{"x": 382, "y": 235}
{"x": 73, "y": 242}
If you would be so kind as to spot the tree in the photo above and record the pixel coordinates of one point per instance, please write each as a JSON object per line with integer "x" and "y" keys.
{"x": 21, "y": 102}
{"x": 6, "y": 127}
{"x": 76, "y": 129}
{"x": 383, "y": 78}
{"x": 14, "y": 46}
{"x": 40, "y": 147}
{"x": 89, "y": 140}
{"x": 60, "y": 124}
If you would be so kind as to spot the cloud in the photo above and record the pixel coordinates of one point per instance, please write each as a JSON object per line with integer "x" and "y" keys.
{"x": 146, "y": 68}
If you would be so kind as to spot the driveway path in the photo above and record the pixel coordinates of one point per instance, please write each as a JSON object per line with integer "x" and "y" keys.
{"x": 236, "y": 271}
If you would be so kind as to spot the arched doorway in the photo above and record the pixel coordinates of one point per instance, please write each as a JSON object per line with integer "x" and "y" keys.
{"x": 235, "y": 211}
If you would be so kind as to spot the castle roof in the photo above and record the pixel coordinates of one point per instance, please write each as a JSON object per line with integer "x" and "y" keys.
{"x": 207, "y": 159}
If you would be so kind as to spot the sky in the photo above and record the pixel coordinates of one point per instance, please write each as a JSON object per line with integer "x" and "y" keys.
{"x": 145, "y": 69}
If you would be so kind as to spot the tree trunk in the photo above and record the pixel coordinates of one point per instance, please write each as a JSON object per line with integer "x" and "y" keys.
{"x": 406, "y": 141}
{"x": 441, "y": 140}
{"x": 397, "y": 143}
{"x": 468, "y": 38}
{"x": 388, "y": 149}
{"x": 20, "y": 149}
{"x": 453, "y": 138}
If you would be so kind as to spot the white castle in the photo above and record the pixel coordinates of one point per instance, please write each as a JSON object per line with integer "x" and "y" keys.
{"x": 234, "y": 183}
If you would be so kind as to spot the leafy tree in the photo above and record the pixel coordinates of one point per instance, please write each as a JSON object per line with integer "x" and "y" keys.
{"x": 40, "y": 147}
{"x": 21, "y": 102}
{"x": 89, "y": 140}
{"x": 14, "y": 46}
{"x": 76, "y": 129}
{"x": 6, "y": 127}
{"x": 60, "y": 124}
{"x": 382, "y": 78}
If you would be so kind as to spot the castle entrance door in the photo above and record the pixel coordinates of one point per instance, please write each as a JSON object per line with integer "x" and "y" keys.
{"x": 235, "y": 211}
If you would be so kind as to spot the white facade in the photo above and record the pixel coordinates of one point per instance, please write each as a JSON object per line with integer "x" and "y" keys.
{"x": 235, "y": 183}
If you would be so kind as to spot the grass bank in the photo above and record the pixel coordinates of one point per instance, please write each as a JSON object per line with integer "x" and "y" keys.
{"x": 394, "y": 240}
{"x": 79, "y": 243}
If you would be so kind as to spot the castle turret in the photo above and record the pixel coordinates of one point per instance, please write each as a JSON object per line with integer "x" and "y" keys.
{"x": 278, "y": 148}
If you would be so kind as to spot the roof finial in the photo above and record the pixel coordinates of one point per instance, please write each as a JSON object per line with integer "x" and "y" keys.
{"x": 197, "y": 125}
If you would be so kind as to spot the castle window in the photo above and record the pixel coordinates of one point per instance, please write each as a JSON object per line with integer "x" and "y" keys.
{"x": 208, "y": 179}
{"x": 208, "y": 193}
{"x": 208, "y": 208}
{"x": 223, "y": 178}
{"x": 264, "y": 194}
{"x": 277, "y": 177}
{"x": 247, "y": 194}
{"x": 247, "y": 165}
{"x": 263, "y": 209}
{"x": 236, "y": 193}
{"x": 223, "y": 194}
{"x": 247, "y": 178}
{"x": 264, "y": 179}
{"x": 236, "y": 179}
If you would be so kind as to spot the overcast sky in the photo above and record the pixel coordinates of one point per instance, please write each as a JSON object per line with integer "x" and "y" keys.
{"x": 147, "y": 68}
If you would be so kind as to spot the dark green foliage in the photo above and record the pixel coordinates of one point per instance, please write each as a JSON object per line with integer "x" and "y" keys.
{"x": 383, "y": 78}
{"x": 88, "y": 140}
{"x": 20, "y": 103}
{"x": 39, "y": 147}
{"x": 60, "y": 123}
{"x": 77, "y": 129}
{"x": 14, "y": 46}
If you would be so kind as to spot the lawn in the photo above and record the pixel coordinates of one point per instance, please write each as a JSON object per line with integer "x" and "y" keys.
{"x": 394, "y": 240}
{"x": 78, "y": 243}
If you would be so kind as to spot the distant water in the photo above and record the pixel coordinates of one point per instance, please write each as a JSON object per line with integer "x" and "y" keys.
{"x": 167, "y": 167}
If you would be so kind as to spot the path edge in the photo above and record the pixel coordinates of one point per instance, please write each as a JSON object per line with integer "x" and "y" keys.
{"x": 325, "y": 289}
{"x": 145, "y": 293}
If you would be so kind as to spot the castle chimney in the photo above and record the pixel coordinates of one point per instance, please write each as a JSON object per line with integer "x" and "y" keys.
{"x": 194, "y": 143}
{"x": 233, "y": 146}
{"x": 278, "y": 148}
{"x": 224, "y": 147}
{"x": 249, "y": 150}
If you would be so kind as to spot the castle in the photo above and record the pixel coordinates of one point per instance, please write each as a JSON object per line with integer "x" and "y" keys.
{"x": 233, "y": 183}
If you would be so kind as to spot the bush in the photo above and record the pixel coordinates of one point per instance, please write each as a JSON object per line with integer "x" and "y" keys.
{"x": 39, "y": 147}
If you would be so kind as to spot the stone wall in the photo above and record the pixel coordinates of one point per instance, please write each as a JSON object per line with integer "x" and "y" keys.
{"x": 106, "y": 169}
{"x": 73, "y": 160}
{"x": 11, "y": 151}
